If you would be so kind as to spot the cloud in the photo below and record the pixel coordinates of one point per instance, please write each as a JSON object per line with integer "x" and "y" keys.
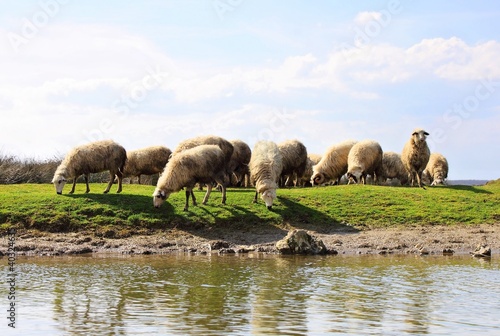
{"x": 363, "y": 18}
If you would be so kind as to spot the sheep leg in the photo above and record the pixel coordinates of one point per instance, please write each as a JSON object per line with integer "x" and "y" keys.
{"x": 223, "y": 186}
{"x": 207, "y": 194}
{"x": 119, "y": 175}
{"x": 139, "y": 179}
{"x": 255, "y": 198}
{"x": 86, "y": 177}
{"x": 74, "y": 185}
{"x": 193, "y": 198}
{"x": 111, "y": 179}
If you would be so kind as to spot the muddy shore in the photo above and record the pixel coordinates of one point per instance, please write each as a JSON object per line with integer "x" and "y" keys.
{"x": 454, "y": 239}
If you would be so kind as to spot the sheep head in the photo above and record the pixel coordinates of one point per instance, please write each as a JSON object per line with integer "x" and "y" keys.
{"x": 159, "y": 196}
{"x": 419, "y": 136}
{"x": 354, "y": 175}
{"x": 59, "y": 181}
{"x": 318, "y": 179}
{"x": 268, "y": 197}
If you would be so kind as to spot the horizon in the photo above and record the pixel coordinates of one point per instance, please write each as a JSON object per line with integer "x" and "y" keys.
{"x": 157, "y": 73}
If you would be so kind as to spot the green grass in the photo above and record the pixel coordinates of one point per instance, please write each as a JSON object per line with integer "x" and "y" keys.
{"x": 37, "y": 206}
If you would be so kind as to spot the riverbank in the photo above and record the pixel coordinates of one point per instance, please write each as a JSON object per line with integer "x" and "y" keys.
{"x": 349, "y": 220}
{"x": 430, "y": 239}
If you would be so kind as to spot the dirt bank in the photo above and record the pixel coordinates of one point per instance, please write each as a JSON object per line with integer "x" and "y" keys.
{"x": 431, "y": 239}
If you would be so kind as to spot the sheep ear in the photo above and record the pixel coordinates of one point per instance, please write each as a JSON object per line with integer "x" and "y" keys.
{"x": 162, "y": 194}
{"x": 414, "y": 133}
{"x": 426, "y": 133}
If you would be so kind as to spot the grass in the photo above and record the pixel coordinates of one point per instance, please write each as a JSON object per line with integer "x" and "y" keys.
{"x": 36, "y": 206}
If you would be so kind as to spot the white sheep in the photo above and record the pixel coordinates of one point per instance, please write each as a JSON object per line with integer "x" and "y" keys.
{"x": 312, "y": 160}
{"x": 294, "y": 155}
{"x": 393, "y": 168}
{"x": 333, "y": 164}
{"x": 91, "y": 158}
{"x": 200, "y": 164}
{"x": 146, "y": 161}
{"x": 415, "y": 155}
{"x": 266, "y": 165}
{"x": 436, "y": 171}
{"x": 365, "y": 158}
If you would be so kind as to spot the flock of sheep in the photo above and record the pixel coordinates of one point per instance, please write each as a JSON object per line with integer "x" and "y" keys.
{"x": 212, "y": 160}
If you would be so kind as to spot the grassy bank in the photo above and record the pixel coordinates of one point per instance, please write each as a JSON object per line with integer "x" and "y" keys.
{"x": 36, "y": 206}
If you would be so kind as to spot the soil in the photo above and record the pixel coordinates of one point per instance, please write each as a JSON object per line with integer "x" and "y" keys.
{"x": 455, "y": 239}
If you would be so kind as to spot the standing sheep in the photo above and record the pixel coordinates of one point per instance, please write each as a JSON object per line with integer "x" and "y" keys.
{"x": 415, "y": 155}
{"x": 312, "y": 160}
{"x": 200, "y": 164}
{"x": 91, "y": 158}
{"x": 436, "y": 171}
{"x": 266, "y": 165}
{"x": 333, "y": 163}
{"x": 294, "y": 155}
{"x": 146, "y": 161}
{"x": 392, "y": 167}
{"x": 365, "y": 158}
{"x": 238, "y": 165}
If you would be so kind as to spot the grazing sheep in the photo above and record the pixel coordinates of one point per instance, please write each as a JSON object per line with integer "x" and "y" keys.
{"x": 91, "y": 158}
{"x": 365, "y": 158}
{"x": 238, "y": 164}
{"x": 393, "y": 168}
{"x": 333, "y": 164}
{"x": 415, "y": 155}
{"x": 294, "y": 155}
{"x": 224, "y": 145}
{"x": 312, "y": 159}
{"x": 436, "y": 171}
{"x": 146, "y": 161}
{"x": 200, "y": 164}
{"x": 266, "y": 165}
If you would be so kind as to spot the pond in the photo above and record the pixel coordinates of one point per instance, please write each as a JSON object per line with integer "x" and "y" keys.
{"x": 254, "y": 294}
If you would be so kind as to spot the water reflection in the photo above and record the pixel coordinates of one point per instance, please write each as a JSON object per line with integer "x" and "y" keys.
{"x": 258, "y": 294}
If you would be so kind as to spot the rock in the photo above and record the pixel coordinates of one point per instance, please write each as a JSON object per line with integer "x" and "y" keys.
{"x": 482, "y": 251}
{"x": 300, "y": 242}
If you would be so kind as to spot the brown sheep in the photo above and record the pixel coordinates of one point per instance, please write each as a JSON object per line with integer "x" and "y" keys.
{"x": 146, "y": 161}
{"x": 365, "y": 158}
{"x": 415, "y": 155}
{"x": 239, "y": 162}
{"x": 94, "y": 157}
{"x": 200, "y": 164}
{"x": 294, "y": 155}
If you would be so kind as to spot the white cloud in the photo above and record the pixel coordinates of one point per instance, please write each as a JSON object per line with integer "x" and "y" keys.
{"x": 363, "y": 18}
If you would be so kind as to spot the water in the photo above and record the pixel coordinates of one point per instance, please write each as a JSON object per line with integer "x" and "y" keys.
{"x": 254, "y": 294}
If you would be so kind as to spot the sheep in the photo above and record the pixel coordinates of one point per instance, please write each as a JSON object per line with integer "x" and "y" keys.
{"x": 392, "y": 167}
{"x": 333, "y": 163}
{"x": 294, "y": 155}
{"x": 266, "y": 165}
{"x": 436, "y": 170}
{"x": 238, "y": 165}
{"x": 364, "y": 158}
{"x": 91, "y": 158}
{"x": 312, "y": 159}
{"x": 200, "y": 164}
{"x": 415, "y": 155}
{"x": 146, "y": 161}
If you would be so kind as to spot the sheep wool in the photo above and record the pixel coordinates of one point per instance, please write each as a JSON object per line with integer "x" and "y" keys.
{"x": 365, "y": 158}
{"x": 200, "y": 164}
{"x": 146, "y": 161}
{"x": 436, "y": 171}
{"x": 91, "y": 158}
{"x": 266, "y": 165}
{"x": 333, "y": 164}
{"x": 415, "y": 155}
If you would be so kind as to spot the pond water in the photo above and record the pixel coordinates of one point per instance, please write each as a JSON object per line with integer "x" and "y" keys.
{"x": 254, "y": 294}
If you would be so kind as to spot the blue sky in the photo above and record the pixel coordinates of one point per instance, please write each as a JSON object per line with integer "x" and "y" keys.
{"x": 158, "y": 72}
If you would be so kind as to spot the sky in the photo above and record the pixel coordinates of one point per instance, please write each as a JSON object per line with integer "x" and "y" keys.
{"x": 157, "y": 72}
